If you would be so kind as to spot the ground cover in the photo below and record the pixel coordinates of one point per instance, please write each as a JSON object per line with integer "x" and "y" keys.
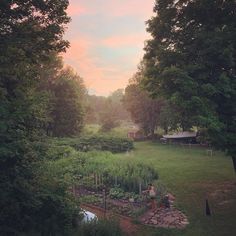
{"x": 192, "y": 176}
{"x": 188, "y": 173}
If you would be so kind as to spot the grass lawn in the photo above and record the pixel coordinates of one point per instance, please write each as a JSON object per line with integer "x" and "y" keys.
{"x": 192, "y": 176}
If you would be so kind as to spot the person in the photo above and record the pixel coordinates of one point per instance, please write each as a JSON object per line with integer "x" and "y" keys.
{"x": 152, "y": 194}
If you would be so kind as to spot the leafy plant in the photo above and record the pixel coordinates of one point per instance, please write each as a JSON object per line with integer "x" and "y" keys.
{"x": 102, "y": 143}
{"x": 116, "y": 193}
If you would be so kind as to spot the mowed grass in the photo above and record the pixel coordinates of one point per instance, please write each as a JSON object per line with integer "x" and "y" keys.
{"x": 193, "y": 176}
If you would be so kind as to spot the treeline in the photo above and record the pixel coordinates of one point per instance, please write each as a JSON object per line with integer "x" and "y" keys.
{"x": 66, "y": 94}
{"x": 109, "y": 112}
{"x": 189, "y": 70}
{"x": 38, "y": 97}
{"x": 147, "y": 112}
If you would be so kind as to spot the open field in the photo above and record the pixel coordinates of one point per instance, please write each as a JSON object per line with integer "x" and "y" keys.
{"x": 192, "y": 176}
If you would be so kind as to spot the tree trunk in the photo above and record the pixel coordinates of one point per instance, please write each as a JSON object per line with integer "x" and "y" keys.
{"x": 166, "y": 130}
{"x": 152, "y": 133}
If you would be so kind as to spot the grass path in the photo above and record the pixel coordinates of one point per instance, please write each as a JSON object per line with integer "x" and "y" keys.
{"x": 192, "y": 176}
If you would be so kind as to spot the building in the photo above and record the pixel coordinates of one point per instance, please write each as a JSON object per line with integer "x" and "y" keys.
{"x": 135, "y": 134}
{"x": 181, "y": 137}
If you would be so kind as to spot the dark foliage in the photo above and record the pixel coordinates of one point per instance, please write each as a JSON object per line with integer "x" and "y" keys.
{"x": 102, "y": 143}
{"x": 191, "y": 62}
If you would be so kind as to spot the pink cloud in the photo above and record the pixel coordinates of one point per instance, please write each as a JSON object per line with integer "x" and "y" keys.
{"x": 76, "y": 9}
{"x": 102, "y": 79}
{"x": 142, "y": 8}
{"x": 85, "y": 56}
{"x": 102, "y": 76}
{"x": 125, "y": 40}
{"x": 114, "y": 8}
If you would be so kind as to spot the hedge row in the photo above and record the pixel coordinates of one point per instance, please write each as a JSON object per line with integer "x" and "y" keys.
{"x": 100, "y": 143}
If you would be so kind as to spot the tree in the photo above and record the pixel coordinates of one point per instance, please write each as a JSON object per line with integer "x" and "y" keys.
{"x": 67, "y": 111}
{"x": 116, "y": 98}
{"x": 144, "y": 110}
{"x": 109, "y": 110}
{"x": 108, "y": 116}
{"x": 170, "y": 118}
{"x": 29, "y": 32}
{"x": 94, "y": 107}
{"x": 191, "y": 61}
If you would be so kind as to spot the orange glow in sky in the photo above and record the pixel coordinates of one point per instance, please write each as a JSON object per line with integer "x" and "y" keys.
{"x": 107, "y": 39}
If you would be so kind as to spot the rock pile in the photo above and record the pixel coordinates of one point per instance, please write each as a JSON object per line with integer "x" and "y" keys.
{"x": 165, "y": 217}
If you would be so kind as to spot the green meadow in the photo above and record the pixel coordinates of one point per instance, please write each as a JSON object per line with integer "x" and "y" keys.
{"x": 193, "y": 176}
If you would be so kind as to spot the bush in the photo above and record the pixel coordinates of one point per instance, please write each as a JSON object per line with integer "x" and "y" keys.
{"x": 116, "y": 193}
{"x": 56, "y": 152}
{"x": 100, "y": 143}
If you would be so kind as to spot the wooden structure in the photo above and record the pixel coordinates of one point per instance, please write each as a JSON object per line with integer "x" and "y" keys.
{"x": 135, "y": 134}
{"x": 181, "y": 137}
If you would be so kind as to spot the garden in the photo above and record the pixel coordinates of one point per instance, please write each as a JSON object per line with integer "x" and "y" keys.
{"x": 96, "y": 174}
{"x": 114, "y": 182}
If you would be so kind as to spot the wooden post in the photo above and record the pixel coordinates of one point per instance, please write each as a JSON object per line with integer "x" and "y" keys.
{"x": 96, "y": 181}
{"x": 140, "y": 188}
{"x": 208, "y": 211}
{"x": 234, "y": 162}
{"x": 99, "y": 179}
{"x": 104, "y": 202}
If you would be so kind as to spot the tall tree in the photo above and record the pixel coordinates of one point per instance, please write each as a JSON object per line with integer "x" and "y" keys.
{"x": 67, "y": 110}
{"x": 116, "y": 98}
{"x": 144, "y": 110}
{"x": 29, "y": 32}
{"x": 109, "y": 110}
{"x": 191, "y": 61}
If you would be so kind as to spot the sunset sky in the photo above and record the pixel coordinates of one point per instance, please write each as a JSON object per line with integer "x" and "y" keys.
{"x": 107, "y": 39}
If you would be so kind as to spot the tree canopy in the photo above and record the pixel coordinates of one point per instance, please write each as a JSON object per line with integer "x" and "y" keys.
{"x": 191, "y": 62}
{"x": 30, "y": 32}
{"x": 144, "y": 110}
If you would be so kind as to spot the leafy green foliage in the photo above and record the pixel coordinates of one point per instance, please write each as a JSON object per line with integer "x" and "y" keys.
{"x": 119, "y": 193}
{"x": 170, "y": 117}
{"x": 116, "y": 193}
{"x": 144, "y": 110}
{"x": 67, "y": 111}
{"x": 108, "y": 121}
{"x": 190, "y": 60}
{"x": 108, "y": 112}
{"x": 102, "y": 143}
{"x": 30, "y": 201}
{"x": 131, "y": 174}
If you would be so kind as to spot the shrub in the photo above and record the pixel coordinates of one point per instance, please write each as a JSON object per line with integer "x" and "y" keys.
{"x": 116, "y": 193}
{"x": 57, "y": 152}
{"x": 100, "y": 143}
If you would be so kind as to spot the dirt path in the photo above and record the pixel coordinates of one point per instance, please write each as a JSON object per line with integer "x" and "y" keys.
{"x": 126, "y": 224}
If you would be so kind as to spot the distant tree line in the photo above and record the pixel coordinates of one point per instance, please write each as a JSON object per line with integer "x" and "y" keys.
{"x": 108, "y": 112}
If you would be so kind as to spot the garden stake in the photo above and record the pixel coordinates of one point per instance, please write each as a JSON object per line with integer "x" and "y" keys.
{"x": 208, "y": 211}
{"x": 104, "y": 201}
{"x": 234, "y": 163}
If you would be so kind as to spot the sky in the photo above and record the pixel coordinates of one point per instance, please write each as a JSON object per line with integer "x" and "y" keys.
{"x": 106, "y": 41}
